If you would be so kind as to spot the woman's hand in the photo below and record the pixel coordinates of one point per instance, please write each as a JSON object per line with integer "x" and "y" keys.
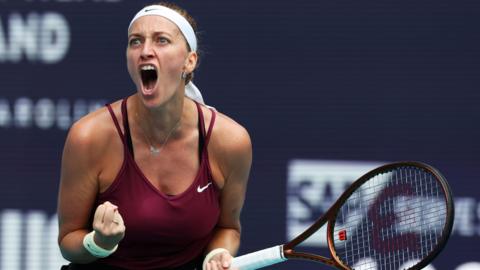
{"x": 219, "y": 261}
{"x": 108, "y": 226}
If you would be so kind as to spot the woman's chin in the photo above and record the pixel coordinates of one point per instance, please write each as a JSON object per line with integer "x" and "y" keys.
{"x": 149, "y": 97}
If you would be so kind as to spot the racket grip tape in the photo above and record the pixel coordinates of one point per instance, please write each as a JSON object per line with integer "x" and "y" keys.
{"x": 259, "y": 259}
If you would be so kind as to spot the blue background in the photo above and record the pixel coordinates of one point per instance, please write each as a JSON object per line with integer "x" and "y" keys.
{"x": 330, "y": 80}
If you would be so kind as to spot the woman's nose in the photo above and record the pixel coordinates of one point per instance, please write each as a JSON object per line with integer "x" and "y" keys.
{"x": 147, "y": 50}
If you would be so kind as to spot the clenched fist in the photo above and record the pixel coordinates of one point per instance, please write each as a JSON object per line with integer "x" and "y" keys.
{"x": 108, "y": 226}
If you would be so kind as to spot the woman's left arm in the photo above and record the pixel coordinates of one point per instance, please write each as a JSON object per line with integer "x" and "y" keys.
{"x": 233, "y": 154}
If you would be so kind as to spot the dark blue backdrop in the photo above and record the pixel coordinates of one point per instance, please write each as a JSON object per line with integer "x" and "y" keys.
{"x": 313, "y": 80}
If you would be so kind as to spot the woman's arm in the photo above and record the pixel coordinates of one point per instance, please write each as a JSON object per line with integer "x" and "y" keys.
{"x": 233, "y": 153}
{"x": 77, "y": 193}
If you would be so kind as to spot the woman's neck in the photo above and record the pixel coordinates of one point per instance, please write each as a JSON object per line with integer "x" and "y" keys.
{"x": 160, "y": 122}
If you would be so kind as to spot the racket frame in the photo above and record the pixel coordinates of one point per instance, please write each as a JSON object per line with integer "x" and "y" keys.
{"x": 331, "y": 215}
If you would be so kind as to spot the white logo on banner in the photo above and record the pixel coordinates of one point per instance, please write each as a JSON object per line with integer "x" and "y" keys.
{"x": 44, "y": 113}
{"x": 35, "y": 37}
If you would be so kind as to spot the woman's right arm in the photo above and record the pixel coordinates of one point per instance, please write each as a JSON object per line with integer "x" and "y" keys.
{"x": 77, "y": 193}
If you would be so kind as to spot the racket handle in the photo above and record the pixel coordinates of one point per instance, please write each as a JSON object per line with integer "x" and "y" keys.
{"x": 259, "y": 259}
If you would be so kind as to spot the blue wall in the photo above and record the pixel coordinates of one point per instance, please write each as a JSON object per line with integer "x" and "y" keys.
{"x": 357, "y": 81}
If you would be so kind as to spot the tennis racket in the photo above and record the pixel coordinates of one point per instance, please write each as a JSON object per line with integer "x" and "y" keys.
{"x": 397, "y": 216}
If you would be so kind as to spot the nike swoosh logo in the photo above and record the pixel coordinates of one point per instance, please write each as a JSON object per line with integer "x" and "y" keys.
{"x": 147, "y": 10}
{"x": 201, "y": 189}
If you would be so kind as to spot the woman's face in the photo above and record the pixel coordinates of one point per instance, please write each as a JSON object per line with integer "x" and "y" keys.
{"x": 157, "y": 54}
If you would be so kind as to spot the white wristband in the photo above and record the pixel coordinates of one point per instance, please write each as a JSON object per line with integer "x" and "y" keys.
{"x": 94, "y": 249}
{"x": 211, "y": 254}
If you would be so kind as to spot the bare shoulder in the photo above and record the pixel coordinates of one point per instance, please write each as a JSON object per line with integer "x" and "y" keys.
{"x": 230, "y": 151}
{"x": 230, "y": 137}
{"x": 91, "y": 133}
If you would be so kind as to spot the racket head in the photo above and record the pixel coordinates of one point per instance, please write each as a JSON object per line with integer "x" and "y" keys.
{"x": 397, "y": 216}
{"x": 344, "y": 220}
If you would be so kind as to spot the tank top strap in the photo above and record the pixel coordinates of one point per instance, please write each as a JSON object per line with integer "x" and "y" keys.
{"x": 204, "y": 138}
{"x": 126, "y": 126}
{"x": 115, "y": 121}
{"x": 210, "y": 128}
{"x": 201, "y": 119}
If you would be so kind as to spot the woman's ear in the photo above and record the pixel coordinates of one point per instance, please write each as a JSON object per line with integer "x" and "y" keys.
{"x": 190, "y": 62}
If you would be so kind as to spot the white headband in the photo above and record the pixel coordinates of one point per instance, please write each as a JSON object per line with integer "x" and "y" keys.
{"x": 173, "y": 16}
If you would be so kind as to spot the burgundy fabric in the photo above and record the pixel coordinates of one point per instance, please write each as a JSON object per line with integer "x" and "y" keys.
{"x": 162, "y": 231}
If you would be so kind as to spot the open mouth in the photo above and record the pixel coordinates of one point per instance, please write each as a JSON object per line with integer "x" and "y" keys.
{"x": 149, "y": 76}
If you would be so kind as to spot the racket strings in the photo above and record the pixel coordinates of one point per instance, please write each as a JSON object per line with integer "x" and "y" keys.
{"x": 409, "y": 216}
{"x": 392, "y": 219}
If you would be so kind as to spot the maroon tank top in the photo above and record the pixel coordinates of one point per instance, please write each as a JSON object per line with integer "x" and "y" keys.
{"x": 162, "y": 231}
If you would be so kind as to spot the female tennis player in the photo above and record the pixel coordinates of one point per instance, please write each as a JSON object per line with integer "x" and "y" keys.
{"x": 156, "y": 180}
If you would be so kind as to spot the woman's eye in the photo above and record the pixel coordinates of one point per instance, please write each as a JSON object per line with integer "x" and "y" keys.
{"x": 163, "y": 40}
{"x": 134, "y": 41}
